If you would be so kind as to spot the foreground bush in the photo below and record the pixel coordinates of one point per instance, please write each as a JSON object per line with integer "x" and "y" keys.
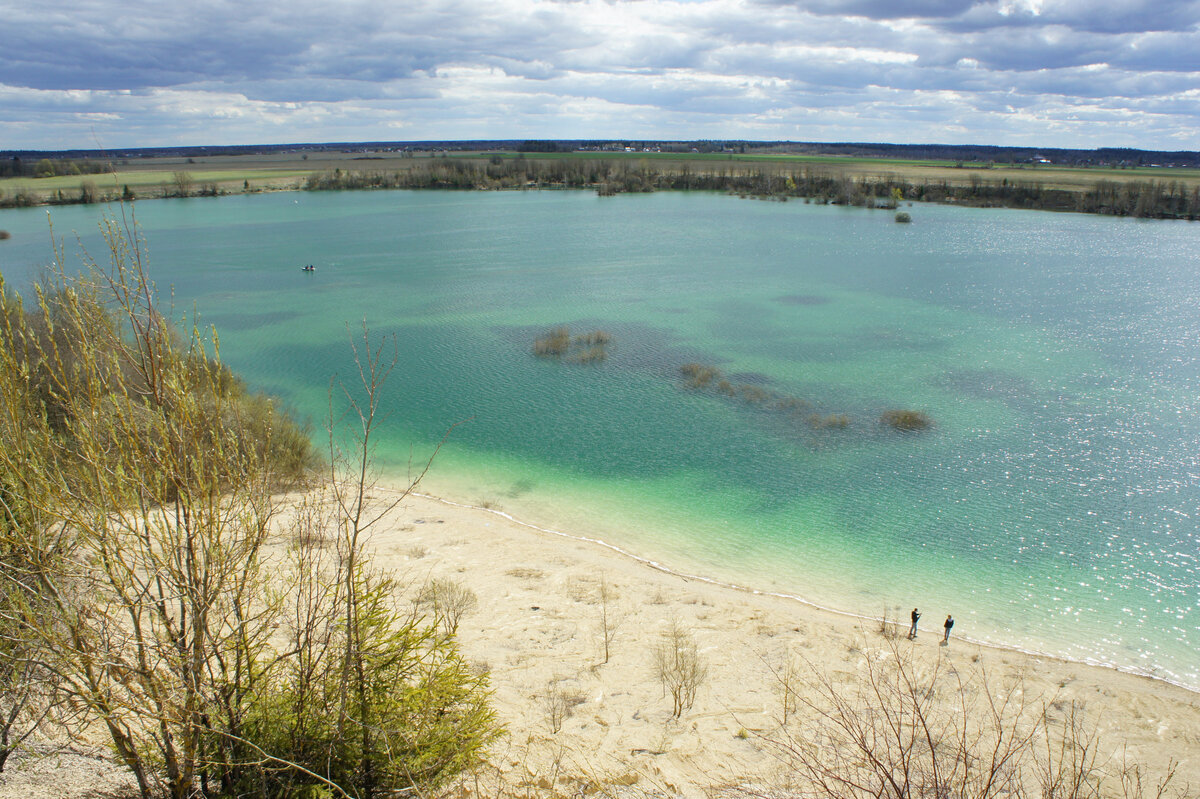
{"x": 136, "y": 563}
{"x": 908, "y": 728}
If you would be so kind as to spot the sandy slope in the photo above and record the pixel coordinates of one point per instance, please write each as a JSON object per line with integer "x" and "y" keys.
{"x": 539, "y": 622}
{"x": 537, "y": 631}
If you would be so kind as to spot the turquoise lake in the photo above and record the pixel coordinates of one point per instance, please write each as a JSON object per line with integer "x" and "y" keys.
{"x": 1053, "y": 506}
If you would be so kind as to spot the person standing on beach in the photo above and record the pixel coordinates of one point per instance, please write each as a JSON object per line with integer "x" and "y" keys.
{"x": 912, "y": 631}
{"x": 949, "y": 623}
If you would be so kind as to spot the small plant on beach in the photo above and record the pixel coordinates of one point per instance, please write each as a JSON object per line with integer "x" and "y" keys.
{"x": 447, "y": 601}
{"x": 906, "y": 420}
{"x": 558, "y": 701}
{"x": 609, "y": 620}
{"x": 788, "y": 683}
{"x": 679, "y": 667}
{"x": 887, "y": 623}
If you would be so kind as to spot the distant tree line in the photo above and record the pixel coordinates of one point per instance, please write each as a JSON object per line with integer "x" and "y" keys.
{"x": 16, "y": 167}
{"x": 1156, "y": 199}
{"x": 973, "y": 154}
{"x": 1151, "y": 199}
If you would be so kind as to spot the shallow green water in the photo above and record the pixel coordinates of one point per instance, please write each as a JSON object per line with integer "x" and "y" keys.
{"x": 1054, "y": 506}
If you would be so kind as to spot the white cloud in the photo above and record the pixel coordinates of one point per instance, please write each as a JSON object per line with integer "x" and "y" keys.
{"x": 217, "y": 72}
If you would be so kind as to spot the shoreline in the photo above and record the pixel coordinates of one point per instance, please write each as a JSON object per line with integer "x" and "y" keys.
{"x": 584, "y": 712}
{"x": 535, "y": 632}
{"x": 808, "y": 603}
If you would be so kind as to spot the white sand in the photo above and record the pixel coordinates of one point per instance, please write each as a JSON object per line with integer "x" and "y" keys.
{"x": 539, "y": 622}
{"x": 537, "y": 631}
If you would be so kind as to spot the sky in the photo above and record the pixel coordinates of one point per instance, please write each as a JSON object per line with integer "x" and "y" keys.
{"x": 114, "y": 74}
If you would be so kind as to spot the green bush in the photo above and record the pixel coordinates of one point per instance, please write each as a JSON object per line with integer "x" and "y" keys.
{"x": 412, "y": 715}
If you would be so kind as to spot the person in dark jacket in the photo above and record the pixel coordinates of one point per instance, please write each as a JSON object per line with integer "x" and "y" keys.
{"x": 912, "y": 631}
{"x": 949, "y": 623}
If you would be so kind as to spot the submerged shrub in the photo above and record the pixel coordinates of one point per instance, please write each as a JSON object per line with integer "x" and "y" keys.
{"x": 591, "y": 354}
{"x": 903, "y": 217}
{"x": 832, "y": 421}
{"x": 906, "y": 420}
{"x": 597, "y": 338}
{"x": 698, "y": 375}
{"x": 755, "y": 395}
{"x": 554, "y": 344}
{"x": 584, "y": 348}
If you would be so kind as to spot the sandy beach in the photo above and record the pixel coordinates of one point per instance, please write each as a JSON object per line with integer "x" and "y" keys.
{"x": 538, "y": 632}
{"x": 574, "y": 721}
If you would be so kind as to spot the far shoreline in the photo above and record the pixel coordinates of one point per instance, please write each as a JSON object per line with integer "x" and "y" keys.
{"x": 1152, "y": 193}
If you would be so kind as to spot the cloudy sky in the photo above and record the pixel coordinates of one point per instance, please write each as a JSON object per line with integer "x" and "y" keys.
{"x": 1067, "y": 73}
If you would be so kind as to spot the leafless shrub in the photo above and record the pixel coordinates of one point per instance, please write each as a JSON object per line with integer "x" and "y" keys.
{"x": 679, "y": 667}
{"x": 609, "y": 620}
{"x": 788, "y": 683}
{"x": 906, "y": 729}
{"x": 559, "y": 701}
{"x": 447, "y": 601}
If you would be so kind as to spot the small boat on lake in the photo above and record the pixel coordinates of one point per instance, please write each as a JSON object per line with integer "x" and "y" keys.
{"x": 309, "y": 268}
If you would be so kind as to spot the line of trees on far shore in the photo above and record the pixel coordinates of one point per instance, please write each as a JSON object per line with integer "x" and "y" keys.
{"x": 1147, "y": 199}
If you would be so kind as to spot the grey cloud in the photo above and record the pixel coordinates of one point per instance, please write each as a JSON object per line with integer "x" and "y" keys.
{"x": 378, "y": 69}
{"x": 1106, "y": 16}
{"x": 883, "y": 9}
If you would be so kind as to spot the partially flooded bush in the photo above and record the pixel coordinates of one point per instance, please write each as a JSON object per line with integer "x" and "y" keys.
{"x": 584, "y": 348}
{"x": 554, "y": 344}
{"x": 590, "y": 355}
{"x": 831, "y": 421}
{"x": 698, "y": 375}
{"x": 755, "y": 395}
{"x": 906, "y": 420}
{"x": 597, "y": 338}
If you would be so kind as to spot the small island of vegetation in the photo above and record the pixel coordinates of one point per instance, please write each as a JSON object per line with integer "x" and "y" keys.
{"x": 906, "y": 420}
{"x": 584, "y": 348}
